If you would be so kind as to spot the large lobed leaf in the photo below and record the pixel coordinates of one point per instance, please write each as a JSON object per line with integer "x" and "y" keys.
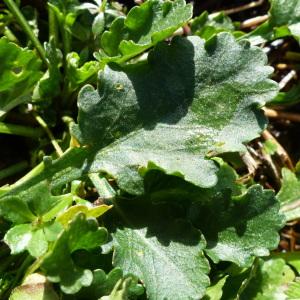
{"x": 189, "y": 99}
{"x": 248, "y": 220}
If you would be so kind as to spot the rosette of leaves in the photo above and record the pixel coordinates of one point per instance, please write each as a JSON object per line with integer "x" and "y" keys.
{"x": 188, "y": 101}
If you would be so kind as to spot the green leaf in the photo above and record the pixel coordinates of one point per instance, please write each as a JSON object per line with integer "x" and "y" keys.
{"x": 283, "y": 12}
{"x": 215, "y": 291}
{"x": 98, "y": 24}
{"x": 287, "y": 98}
{"x": 16, "y": 210}
{"x": 35, "y": 202}
{"x": 144, "y": 26}
{"x": 289, "y": 195}
{"x": 284, "y": 20}
{"x": 33, "y": 210}
{"x": 107, "y": 285}
{"x": 49, "y": 85}
{"x": 101, "y": 285}
{"x": 35, "y": 287}
{"x": 293, "y": 291}
{"x": 81, "y": 233}
{"x": 89, "y": 212}
{"x": 270, "y": 281}
{"x": 19, "y": 71}
{"x": 31, "y": 237}
{"x": 78, "y": 76}
{"x": 247, "y": 225}
{"x": 24, "y": 237}
{"x": 247, "y": 220}
{"x": 164, "y": 251}
{"x": 190, "y": 99}
{"x": 207, "y": 25}
{"x": 173, "y": 103}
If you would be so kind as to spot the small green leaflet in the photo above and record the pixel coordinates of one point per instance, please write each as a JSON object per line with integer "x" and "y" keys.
{"x": 144, "y": 26}
{"x": 284, "y": 20}
{"x": 286, "y": 13}
{"x": 270, "y": 281}
{"x": 19, "y": 71}
{"x": 289, "y": 194}
{"x": 82, "y": 233}
{"x": 32, "y": 213}
{"x": 207, "y": 25}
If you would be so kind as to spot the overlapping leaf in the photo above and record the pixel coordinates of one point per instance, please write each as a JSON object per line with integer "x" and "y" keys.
{"x": 270, "y": 280}
{"x": 144, "y": 27}
{"x": 286, "y": 13}
{"x": 247, "y": 220}
{"x": 289, "y": 194}
{"x": 19, "y": 71}
{"x": 207, "y": 25}
{"x": 190, "y": 99}
{"x": 82, "y": 233}
{"x": 247, "y": 225}
{"x": 165, "y": 252}
{"x": 32, "y": 213}
{"x": 284, "y": 20}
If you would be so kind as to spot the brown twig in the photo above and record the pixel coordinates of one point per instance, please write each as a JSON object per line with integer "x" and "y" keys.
{"x": 276, "y": 114}
{"x": 279, "y": 149}
{"x": 253, "y": 21}
{"x": 269, "y": 163}
{"x": 290, "y": 206}
{"x": 287, "y": 78}
{"x": 243, "y": 7}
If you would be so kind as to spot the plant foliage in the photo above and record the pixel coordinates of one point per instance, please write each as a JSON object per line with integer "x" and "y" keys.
{"x": 140, "y": 197}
